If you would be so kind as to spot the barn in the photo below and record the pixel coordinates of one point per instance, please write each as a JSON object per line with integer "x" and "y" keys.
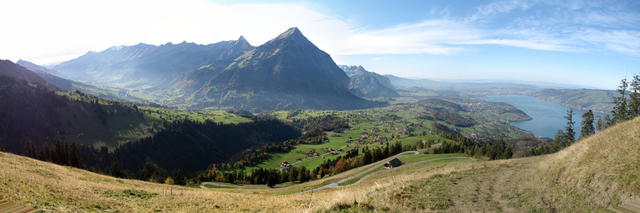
{"x": 395, "y": 162}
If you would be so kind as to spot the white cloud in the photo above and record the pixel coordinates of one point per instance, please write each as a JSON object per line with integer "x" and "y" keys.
{"x": 529, "y": 44}
{"x": 433, "y": 36}
{"x": 498, "y": 7}
{"x": 44, "y": 31}
{"x": 623, "y": 41}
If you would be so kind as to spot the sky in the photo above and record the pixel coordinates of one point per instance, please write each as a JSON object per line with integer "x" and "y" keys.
{"x": 579, "y": 42}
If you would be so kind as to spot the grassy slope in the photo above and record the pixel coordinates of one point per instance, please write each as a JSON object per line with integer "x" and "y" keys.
{"x": 588, "y": 176}
{"x": 56, "y": 188}
{"x": 604, "y": 167}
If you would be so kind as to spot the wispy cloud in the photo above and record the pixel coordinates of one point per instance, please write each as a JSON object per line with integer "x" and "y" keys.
{"x": 529, "y": 44}
{"x": 573, "y": 26}
{"x": 622, "y": 41}
{"x": 496, "y": 8}
{"x": 433, "y": 37}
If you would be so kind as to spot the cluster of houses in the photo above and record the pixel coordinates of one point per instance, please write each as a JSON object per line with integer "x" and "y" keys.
{"x": 332, "y": 151}
{"x": 285, "y": 165}
{"x": 312, "y": 153}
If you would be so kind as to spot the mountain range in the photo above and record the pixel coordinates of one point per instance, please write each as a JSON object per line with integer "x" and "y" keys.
{"x": 287, "y": 72}
{"x": 51, "y": 78}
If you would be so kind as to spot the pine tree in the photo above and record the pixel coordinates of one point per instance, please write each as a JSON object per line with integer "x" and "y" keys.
{"x": 150, "y": 171}
{"x": 179, "y": 179}
{"x": 74, "y": 156}
{"x": 600, "y": 124}
{"x": 387, "y": 151}
{"x": 368, "y": 158}
{"x": 420, "y": 143}
{"x": 115, "y": 168}
{"x": 30, "y": 149}
{"x": 634, "y": 97}
{"x": 293, "y": 174}
{"x": 587, "y": 125}
{"x": 620, "y": 110}
{"x": 303, "y": 174}
{"x": 559, "y": 142}
{"x": 569, "y": 132}
{"x": 607, "y": 121}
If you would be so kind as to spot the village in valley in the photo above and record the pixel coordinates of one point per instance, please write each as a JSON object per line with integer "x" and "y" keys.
{"x": 411, "y": 124}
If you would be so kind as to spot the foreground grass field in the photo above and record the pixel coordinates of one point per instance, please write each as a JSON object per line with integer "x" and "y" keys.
{"x": 592, "y": 175}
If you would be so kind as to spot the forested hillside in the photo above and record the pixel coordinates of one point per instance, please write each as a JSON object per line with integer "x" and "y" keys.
{"x": 72, "y": 128}
{"x": 33, "y": 110}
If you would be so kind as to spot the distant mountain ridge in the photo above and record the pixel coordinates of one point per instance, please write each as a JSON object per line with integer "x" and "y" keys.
{"x": 12, "y": 70}
{"x": 598, "y": 100}
{"x": 368, "y": 84}
{"x": 144, "y": 65}
{"x": 287, "y": 72}
{"x": 50, "y": 77}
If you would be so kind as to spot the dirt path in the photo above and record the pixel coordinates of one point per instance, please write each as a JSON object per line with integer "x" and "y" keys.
{"x": 359, "y": 174}
{"x": 496, "y": 187}
{"x": 414, "y": 163}
{"x": 377, "y": 164}
{"x": 202, "y": 185}
{"x": 14, "y": 207}
{"x": 337, "y": 182}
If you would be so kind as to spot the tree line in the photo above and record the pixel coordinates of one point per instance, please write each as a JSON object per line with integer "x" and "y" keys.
{"x": 179, "y": 151}
{"x": 458, "y": 143}
{"x": 183, "y": 148}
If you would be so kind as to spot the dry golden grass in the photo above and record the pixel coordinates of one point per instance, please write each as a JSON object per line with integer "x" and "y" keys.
{"x": 596, "y": 172}
{"x": 605, "y": 167}
{"x": 589, "y": 176}
{"x": 57, "y": 188}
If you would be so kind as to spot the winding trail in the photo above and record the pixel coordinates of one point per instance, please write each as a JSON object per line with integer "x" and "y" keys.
{"x": 223, "y": 185}
{"x": 378, "y": 164}
{"x": 336, "y": 184}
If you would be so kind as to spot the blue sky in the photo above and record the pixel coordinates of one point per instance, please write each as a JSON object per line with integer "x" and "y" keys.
{"x": 590, "y": 43}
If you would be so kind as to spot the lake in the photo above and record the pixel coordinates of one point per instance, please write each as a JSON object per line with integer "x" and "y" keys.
{"x": 547, "y": 117}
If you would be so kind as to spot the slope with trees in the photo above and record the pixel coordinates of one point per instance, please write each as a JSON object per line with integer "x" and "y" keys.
{"x": 33, "y": 110}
